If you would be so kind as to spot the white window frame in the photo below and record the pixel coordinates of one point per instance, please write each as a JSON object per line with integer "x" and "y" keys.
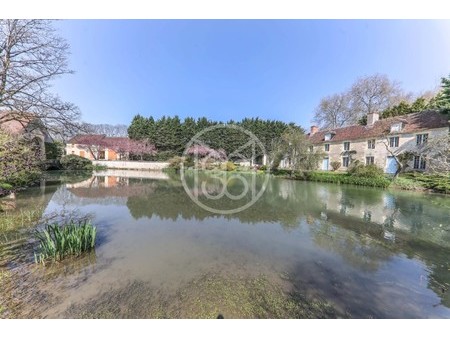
{"x": 420, "y": 163}
{"x": 421, "y": 139}
{"x": 396, "y": 141}
{"x": 346, "y": 143}
{"x": 343, "y": 161}
{"x": 372, "y": 161}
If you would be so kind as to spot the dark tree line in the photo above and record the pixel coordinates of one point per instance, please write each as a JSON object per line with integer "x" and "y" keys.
{"x": 170, "y": 135}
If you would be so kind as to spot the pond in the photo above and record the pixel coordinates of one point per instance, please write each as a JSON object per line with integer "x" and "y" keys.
{"x": 302, "y": 250}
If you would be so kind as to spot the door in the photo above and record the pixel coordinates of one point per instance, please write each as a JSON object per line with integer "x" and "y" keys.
{"x": 325, "y": 163}
{"x": 391, "y": 165}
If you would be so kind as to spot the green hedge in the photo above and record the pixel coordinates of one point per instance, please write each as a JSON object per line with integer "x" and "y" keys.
{"x": 339, "y": 178}
{"x": 376, "y": 181}
{"x": 75, "y": 162}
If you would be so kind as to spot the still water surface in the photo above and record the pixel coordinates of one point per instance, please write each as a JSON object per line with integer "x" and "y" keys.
{"x": 365, "y": 253}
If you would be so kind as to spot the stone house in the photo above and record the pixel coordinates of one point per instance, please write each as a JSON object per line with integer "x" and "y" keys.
{"x": 29, "y": 127}
{"x": 377, "y": 142}
{"x": 95, "y": 147}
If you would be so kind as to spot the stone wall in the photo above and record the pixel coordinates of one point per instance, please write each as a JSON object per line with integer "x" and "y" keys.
{"x": 137, "y": 165}
{"x": 407, "y": 142}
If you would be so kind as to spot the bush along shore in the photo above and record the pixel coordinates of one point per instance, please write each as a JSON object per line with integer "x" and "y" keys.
{"x": 369, "y": 176}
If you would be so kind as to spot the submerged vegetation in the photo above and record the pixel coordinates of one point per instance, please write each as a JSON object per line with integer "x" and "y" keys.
{"x": 57, "y": 242}
{"x": 208, "y": 296}
{"x": 10, "y": 220}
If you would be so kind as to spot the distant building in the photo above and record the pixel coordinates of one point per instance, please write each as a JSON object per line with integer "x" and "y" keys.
{"x": 370, "y": 143}
{"x": 30, "y": 127}
{"x": 96, "y": 147}
{"x": 374, "y": 142}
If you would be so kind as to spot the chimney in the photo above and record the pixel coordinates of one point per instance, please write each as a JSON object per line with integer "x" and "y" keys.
{"x": 314, "y": 129}
{"x": 372, "y": 118}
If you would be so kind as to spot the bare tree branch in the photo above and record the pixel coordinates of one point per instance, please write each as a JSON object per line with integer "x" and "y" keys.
{"x": 32, "y": 55}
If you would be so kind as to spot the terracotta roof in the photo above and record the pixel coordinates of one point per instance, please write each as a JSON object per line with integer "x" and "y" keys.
{"x": 92, "y": 139}
{"x": 411, "y": 123}
{"x": 14, "y": 126}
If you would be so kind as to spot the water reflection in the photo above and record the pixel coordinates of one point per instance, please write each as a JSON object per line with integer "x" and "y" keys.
{"x": 374, "y": 253}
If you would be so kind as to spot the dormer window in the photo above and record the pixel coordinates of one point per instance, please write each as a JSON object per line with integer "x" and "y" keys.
{"x": 328, "y": 136}
{"x": 396, "y": 127}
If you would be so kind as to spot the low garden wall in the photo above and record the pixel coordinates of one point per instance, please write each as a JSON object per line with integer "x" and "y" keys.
{"x": 136, "y": 165}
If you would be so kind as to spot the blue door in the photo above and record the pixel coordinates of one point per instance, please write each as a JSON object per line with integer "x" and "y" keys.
{"x": 391, "y": 165}
{"x": 325, "y": 163}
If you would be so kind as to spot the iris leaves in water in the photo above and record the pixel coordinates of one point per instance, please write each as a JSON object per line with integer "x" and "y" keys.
{"x": 57, "y": 242}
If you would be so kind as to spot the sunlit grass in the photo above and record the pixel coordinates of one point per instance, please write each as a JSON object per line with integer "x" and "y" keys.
{"x": 57, "y": 242}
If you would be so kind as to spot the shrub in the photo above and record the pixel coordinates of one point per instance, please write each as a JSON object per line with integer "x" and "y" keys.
{"x": 335, "y": 165}
{"x": 57, "y": 242}
{"x": 54, "y": 151}
{"x": 263, "y": 168}
{"x": 175, "y": 162}
{"x": 19, "y": 162}
{"x": 437, "y": 183}
{"x": 228, "y": 166}
{"x": 370, "y": 170}
{"x": 75, "y": 162}
{"x": 354, "y": 166}
{"x": 345, "y": 178}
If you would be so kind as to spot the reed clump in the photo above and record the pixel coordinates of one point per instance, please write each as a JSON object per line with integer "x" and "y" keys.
{"x": 57, "y": 242}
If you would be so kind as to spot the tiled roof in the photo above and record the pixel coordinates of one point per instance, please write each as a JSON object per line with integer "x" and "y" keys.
{"x": 410, "y": 123}
{"x": 14, "y": 126}
{"x": 92, "y": 139}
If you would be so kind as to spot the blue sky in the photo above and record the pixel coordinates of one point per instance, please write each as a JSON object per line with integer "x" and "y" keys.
{"x": 230, "y": 69}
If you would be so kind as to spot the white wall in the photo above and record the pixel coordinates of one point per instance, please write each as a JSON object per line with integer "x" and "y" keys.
{"x": 133, "y": 165}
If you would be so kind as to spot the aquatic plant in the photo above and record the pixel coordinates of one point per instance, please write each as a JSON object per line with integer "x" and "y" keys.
{"x": 24, "y": 218}
{"x": 59, "y": 241}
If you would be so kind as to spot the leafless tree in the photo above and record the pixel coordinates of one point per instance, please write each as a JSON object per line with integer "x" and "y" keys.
{"x": 32, "y": 55}
{"x": 368, "y": 94}
{"x": 437, "y": 154}
{"x": 117, "y": 130}
{"x": 334, "y": 112}
{"x": 375, "y": 93}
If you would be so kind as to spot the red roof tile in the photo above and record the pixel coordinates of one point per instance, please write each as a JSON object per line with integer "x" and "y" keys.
{"x": 411, "y": 123}
{"x": 92, "y": 139}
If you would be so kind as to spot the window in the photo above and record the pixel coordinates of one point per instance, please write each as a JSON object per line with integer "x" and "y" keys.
{"x": 327, "y": 147}
{"x": 311, "y": 149}
{"x": 421, "y": 139}
{"x": 101, "y": 155}
{"x": 73, "y": 151}
{"x": 328, "y": 136}
{"x": 370, "y": 160}
{"x": 393, "y": 142}
{"x": 345, "y": 161}
{"x": 346, "y": 145}
{"x": 396, "y": 127}
{"x": 420, "y": 162}
{"x": 371, "y": 144}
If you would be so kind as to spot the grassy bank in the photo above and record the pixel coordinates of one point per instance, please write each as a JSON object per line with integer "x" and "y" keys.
{"x": 333, "y": 177}
{"x": 407, "y": 181}
{"x": 423, "y": 182}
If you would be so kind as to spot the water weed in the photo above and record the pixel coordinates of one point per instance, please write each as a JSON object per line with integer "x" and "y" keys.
{"x": 59, "y": 241}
